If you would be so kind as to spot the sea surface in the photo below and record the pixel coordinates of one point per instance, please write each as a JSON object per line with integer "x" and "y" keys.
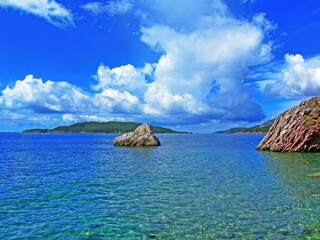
{"x": 78, "y": 186}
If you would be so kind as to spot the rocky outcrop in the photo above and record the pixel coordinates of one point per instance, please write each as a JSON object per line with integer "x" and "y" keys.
{"x": 314, "y": 175}
{"x": 141, "y": 136}
{"x": 295, "y": 130}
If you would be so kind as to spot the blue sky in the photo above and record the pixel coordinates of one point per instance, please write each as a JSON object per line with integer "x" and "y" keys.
{"x": 193, "y": 65}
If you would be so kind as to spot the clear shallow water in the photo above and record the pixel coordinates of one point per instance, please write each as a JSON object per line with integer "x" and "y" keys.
{"x": 78, "y": 186}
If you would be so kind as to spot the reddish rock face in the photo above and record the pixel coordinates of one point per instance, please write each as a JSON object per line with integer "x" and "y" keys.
{"x": 295, "y": 130}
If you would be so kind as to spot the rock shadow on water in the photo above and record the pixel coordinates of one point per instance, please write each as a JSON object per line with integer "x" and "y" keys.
{"x": 293, "y": 165}
{"x": 213, "y": 172}
{"x": 299, "y": 183}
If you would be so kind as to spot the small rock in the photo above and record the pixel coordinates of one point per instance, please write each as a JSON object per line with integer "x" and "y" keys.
{"x": 141, "y": 136}
{"x": 314, "y": 175}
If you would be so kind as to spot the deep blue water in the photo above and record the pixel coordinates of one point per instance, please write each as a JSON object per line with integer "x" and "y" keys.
{"x": 78, "y": 186}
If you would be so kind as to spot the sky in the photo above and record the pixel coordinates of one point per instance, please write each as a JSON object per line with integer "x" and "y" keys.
{"x": 191, "y": 65}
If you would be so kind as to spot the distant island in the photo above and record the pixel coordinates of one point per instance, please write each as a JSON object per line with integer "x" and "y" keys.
{"x": 100, "y": 127}
{"x": 258, "y": 129}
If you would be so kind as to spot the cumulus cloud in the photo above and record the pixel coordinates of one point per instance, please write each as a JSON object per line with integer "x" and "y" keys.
{"x": 34, "y": 96}
{"x": 124, "y": 78}
{"x": 116, "y": 102}
{"x": 296, "y": 78}
{"x": 299, "y": 79}
{"x": 70, "y": 118}
{"x": 200, "y": 73}
{"x": 202, "y": 70}
{"x": 160, "y": 100}
{"x": 44, "y": 97}
{"x": 113, "y": 8}
{"x": 50, "y": 10}
{"x": 198, "y": 77}
{"x": 179, "y": 14}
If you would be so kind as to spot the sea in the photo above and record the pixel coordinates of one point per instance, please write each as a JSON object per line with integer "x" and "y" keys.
{"x": 193, "y": 186}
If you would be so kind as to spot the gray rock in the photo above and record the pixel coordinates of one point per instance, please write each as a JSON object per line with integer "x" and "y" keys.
{"x": 141, "y": 136}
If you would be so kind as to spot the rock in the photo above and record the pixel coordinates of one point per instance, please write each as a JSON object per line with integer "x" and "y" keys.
{"x": 141, "y": 136}
{"x": 295, "y": 130}
{"x": 314, "y": 175}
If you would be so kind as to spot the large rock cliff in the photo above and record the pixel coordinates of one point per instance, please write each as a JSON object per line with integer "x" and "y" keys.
{"x": 141, "y": 136}
{"x": 295, "y": 130}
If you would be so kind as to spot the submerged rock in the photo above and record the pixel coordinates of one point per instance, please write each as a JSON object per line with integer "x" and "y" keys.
{"x": 295, "y": 130}
{"x": 141, "y": 136}
{"x": 314, "y": 175}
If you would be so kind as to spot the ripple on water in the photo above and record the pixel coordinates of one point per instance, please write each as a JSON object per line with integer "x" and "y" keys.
{"x": 78, "y": 186}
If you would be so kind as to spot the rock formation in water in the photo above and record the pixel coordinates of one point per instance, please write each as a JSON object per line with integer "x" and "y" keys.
{"x": 314, "y": 175}
{"x": 141, "y": 136}
{"x": 295, "y": 130}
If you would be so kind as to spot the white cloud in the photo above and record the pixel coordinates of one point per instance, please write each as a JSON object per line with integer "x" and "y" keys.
{"x": 82, "y": 117}
{"x": 50, "y": 97}
{"x": 148, "y": 69}
{"x": 179, "y": 14}
{"x": 198, "y": 78}
{"x": 113, "y": 8}
{"x": 313, "y": 62}
{"x": 44, "y": 97}
{"x": 124, "y": 78}
{"x": 202, "y": 70}
{"x": 115, "y": 101}
{"x": 68, "y": 117}
{"x": 160, "y": 100}
{"x": 200, "y": 75}
{"x": 94, "y": 8}
{"x": 32, "y": 100}
{"x": 50, "y": 10}
{"x": 297, "y": 79}
{"x": 250, "y": 1}
{"x": 21, "y": 119}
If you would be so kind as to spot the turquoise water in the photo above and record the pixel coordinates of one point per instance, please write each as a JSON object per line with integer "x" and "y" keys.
{"x": 78, "y": 186}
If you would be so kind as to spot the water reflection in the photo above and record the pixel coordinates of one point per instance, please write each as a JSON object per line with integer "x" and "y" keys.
{"x": 144, "y": 151}
{"x": 294, "y": 176}
{"x": 191, "y": 187}
{"x": 292, "y": 165}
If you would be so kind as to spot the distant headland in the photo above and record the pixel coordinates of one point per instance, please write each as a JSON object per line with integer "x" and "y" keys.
{"x": 101, "y": 127}
{"x": 258, "y": 129}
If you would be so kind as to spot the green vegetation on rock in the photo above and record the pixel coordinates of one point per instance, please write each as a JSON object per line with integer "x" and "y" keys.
{"x": 100, "y": 127}
{"x": 231, "y": 130}
{"x": 38, "y": 130}
{"x": 314, "y": 175}
{"x": 258, "y": 129}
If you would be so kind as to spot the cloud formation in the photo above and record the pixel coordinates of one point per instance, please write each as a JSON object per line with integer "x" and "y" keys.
{"x": 71, "y": 118}
{"x": 116, "y": 102}
{"x": 197, "y": 79}
{"x": 50, "y": 10}
{"x": 299, "y": 78}
{"x": 294, "y": 78}
{"x": 44, "y": 97}
{"x": 203, "y": 68}
{"x": 124, "y": 78}
{"x": 113, "y": 8}
{"x": 200, "y": 74}
{"x": 33, "y": 96}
